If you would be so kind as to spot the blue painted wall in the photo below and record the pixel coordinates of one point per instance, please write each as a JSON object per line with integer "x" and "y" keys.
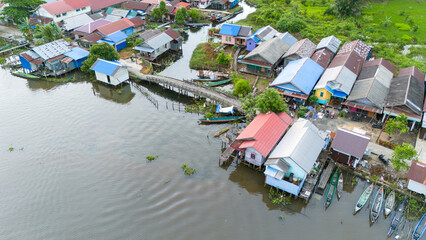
{"x": 128, "y": 31}
{"x": 121, "y": 45}
{"x": 25, "y": 63}
{"x": 79, "y": 62}
{"x": 251, "y": 44}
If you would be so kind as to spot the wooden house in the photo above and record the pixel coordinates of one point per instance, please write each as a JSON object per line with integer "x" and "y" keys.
{"x": 234, "y": 34}
{"x": 259, "y": 138}
{"x": 260, "y": 36}
{"x": 110, "y": 72}
{"x": 264, "y": 59}
{"x": 406, "y": 95}
{"x": 417, "y": 178}
{"x": 294, "y": 157}
{"x": 348, "y": 147}
{"x": 298, "y": 78}
{"x": 371, "y": 88}
{"x": 301, "y": 49}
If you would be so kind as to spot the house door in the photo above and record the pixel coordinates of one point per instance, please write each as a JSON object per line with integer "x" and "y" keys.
{"x": 109, "y": 79}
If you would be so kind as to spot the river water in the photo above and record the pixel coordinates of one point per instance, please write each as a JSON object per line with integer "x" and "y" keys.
{"x": 78, "y": 171}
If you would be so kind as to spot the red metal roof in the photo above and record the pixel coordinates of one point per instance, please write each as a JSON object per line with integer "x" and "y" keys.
{"x": 417, "y": 172}
{"x": 378, "y": 62}
{"x": 350, "y": 60}
{"x": 322, "y": 57}
{"x": 137, "y": 21}
{"x": 264, "y": 132}
{"x": 27, "y": 57}
{"x": 76, "y": 4}
{"x": 100, "y": 4}
{"x": 172, "y": 33}
{"x": 184, "y": 4}
{"x": 413, "y": 71}
{"x": 135, "y": 5}
{"x": 357, "y": 46}
{"x": 115, "y": 26}
{"x": 93, "y": 37}
{"x": 56, "y": 58}
{"x": 57, "y": 7}
{"x": 37, "y": 61}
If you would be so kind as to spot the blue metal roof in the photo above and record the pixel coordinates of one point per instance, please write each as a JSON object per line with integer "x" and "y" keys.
{"x": 302, "y": 73}
{"x": 229, "y": 29}
{"x": 105, "y": 66}
{"x": 77, "y": 53}
{"x": 117, "y": 36}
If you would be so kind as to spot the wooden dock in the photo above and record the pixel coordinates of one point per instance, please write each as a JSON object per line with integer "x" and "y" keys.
{"x": 325, "y": 176}
{"x": 226, "y": 155}
{"x": 310, "y": 182}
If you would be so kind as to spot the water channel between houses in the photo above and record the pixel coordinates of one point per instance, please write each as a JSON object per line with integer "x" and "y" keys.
{"x": 78, "y": 171}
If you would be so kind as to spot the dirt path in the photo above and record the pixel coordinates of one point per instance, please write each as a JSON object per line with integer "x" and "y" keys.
{"x": 184, "y": 85}
{"x": 10, "y": 32}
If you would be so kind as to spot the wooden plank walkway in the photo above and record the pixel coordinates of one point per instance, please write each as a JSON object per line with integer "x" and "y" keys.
{"x": 310, "y": 182}
{"x": 10, "y": 49}
{"x": 226, "y": 155}
{"x": 325, "y": 176}
{"x": 185, "y": 85}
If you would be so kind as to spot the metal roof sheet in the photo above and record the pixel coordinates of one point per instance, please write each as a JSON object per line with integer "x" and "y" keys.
{"x": 331, "y": 43}
{"x": 52, "y": 49}
{"x": 351, "y": 60}
{"x": 106, "y": 67}
{"x": 302, "y": 48}
{"x": 244, "y": 31}
{"x": 77, "y": 21}
{"x": 413, "y": 71}
{"x": 100, "y": 4}
{"x": 302, "y": 144}
{"x": 270, "y": 51}
{"x": 408, "y": 92}
{"x": 264, "y": 132}
{"x": 323, "y": 57}
{"x": 135, "y": 5}
{"x": 287, "y": 38}
{"x": 117, "y": 36}
{"x": 229, "y": 29}
{"x": 115, "y": 26}
{"x": 112, "y": 18}
{"x": 357, "y": 46}
{"x": 417, "y": 172}
{"x": 77, "y": 53}
{"x": 351, "y": 143}
{"x": 302, "y": 73}
{"x": 92, "y": 26}
{"x": 159, "y": 40}
{"x": 380, "y": 62}
{"x": 369, "y": 92}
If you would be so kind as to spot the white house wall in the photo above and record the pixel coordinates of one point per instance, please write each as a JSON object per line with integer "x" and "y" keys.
{"x": 417, "y": 187}
{"x": 121, "y": 76}
{"x": 258, "y": 159}
{"x": 44, "y": 13}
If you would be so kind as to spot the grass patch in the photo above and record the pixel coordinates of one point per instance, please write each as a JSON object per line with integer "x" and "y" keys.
{"x": 235, "y": 9}
{"x": 204, "y": 57}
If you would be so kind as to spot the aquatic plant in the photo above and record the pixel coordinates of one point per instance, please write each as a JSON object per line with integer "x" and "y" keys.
{"x": 151, "y": 158}
{"x": 374, "y": 178}
{"x": 187, "y": 169}
{"x": 278, "y": 198}
{"x": 11, "y": 149}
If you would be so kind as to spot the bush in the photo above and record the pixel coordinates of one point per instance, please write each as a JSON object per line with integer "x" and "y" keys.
{"x": 241, "y": 87}
{"x": 210, "y": 115}
{"x": 291, "y": 23}
{"x": 403, "y": 26}
{"x": 406, "y": 38}
{"x": 386, "y": 144}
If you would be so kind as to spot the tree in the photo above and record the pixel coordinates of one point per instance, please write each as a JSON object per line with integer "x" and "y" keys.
{"x": 401, "y": 153}
{"x": 194, "y": 14}
{"x": 156, "y": 13}
{"x": 270, "y": 100}
{"x": 16, "y": 10}
{"x": 312, "y": 99}
{"x": 397, "y": 125}
{"x": 163, "y": 8}
{"x": 223, "y": 59}
{"x": 181, "y": 15}
{"x": 346, "y": 7}
{"x": 47, "y": 33}
{"x": 99, "y": 50}
{"x": 291, "y": 23}
{"x": 241, "y": 87}
{"x": 249, "y": 104}
{"x": 25, "y": 28}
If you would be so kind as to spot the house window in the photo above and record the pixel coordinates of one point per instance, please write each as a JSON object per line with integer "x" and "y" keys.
{"x": 64, "y": 14}
{"x": 322, "y": 94}
{"x": 59, "y": 15}
{"x": 165, "y": 45}
{"x": 253, "y": 156}
{"x": 83, "y": 8}
{"x": 78, "y": 10}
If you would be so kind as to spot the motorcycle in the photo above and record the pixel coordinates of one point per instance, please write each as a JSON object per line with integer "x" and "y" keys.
{"x": 332, "y": 114}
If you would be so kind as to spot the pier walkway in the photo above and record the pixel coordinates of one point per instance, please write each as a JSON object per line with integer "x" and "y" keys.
{"x": 325, "y": 176}
{"x": 184, "y": 85}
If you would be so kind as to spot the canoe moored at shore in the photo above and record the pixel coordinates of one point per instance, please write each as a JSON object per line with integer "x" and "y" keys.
{"x": 389, "y": 203}
{"x": 210, "y": 74}
{"x": 25, "y": 75}
{"x": 397, "y": 217}
{"x": 363, "y": 198}
{"x": 377, "y": 205}
{"x": 215, "y": 84}
{"x": 420, "y": 228}
{"x": 340, "y": 186}
{"x": 207, "y": 79}
{"x": 331, "y": 190}
{"x": 221, "y": 119}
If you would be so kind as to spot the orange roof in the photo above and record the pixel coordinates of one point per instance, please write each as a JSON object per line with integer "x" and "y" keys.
{"x": 115, "y": 26}
{"x": 264, "y": 132}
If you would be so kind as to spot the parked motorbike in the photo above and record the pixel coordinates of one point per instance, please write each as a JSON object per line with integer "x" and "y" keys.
{"x": 332, "y": 114}
{"x": 378, "y": 125}
{"x": 327, "y": 113}
{"x": 383, "y": 159}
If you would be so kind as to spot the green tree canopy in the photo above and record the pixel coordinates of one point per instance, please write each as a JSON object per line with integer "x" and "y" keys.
{"x": 194, "y": 14}
{"x": 99, "y": 50}
{"x": 249, "y": 104}
{"x": 20, "y": 9}
{"x": 223, "y": 58}
{"x": 270, "y": 100}
{"x": 47, "y": 33}
{"x": 181, "y": 15}
{"x": 156, "y": 13}
{"x": 241, "y": 87}
{"x": 397, "y": 124}
{"x": 163, "y": 8}
{"x": 25, "y": 28}
{"x": 401, "y": 153}
{"x": 346, "y": 7}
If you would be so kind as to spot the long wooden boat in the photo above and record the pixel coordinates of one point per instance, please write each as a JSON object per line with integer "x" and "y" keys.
{"x": 221, "y": 119}
{"x": 389, "y": 203}
{"x": 25, "y": 75}
{"x": 397, "y": 217}
{"x": 210, "y": 74}
{"x": 377, "y": 205}
{"x": 420, "y": 228}
{"x": 207, "y": 79}
{"x": 219, "y": 83}
{"x": 400, "y": 231}
{"x": 331, "y": 190}
{"x": 340, "y": 186}
{"x": 363, "y": 198}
